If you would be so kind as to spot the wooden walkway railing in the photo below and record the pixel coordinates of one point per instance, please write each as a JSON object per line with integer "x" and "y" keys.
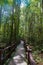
{"x": 5, "y": 53}
{"x": 29, "y": 56}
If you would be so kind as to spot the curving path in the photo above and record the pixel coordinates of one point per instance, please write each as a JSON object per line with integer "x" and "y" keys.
{"x": 19, "y": 57}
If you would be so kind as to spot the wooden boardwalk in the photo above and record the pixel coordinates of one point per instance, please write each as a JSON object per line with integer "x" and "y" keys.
{"x": 19, "y": 57}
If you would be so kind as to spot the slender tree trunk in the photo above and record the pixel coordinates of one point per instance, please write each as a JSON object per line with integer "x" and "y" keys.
{"x": 12, "y": 22}
{"x": 17, "y": 20}
{"x": 0, "y": 15}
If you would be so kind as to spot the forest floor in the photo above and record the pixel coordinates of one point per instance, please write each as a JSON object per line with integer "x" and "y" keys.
{"x": 19, "y": 57}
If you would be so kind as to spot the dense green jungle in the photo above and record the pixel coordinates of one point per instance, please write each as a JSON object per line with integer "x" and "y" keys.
{"x": 22, "y": 19}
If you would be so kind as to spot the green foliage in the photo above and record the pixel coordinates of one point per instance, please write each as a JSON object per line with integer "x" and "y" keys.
{"x": 10, "y": 2}
{"x": 25, "y": 22}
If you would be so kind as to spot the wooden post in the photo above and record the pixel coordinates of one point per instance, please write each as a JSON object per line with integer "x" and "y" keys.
{"x": 30, "y": 57}
{"x": 1, "y": 56}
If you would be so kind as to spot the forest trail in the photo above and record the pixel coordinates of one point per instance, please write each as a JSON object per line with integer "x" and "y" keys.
{"x": 19, "y": 57}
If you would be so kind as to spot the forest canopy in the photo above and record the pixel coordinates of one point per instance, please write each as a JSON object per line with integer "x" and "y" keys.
{"x": 21, "y": 19}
